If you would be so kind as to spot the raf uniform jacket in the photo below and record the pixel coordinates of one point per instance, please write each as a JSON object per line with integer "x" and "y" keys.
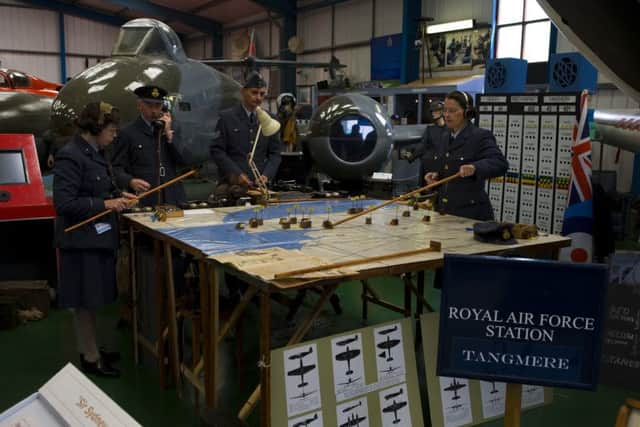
{"x": 231, "y": 148}
{"x": 430, "y": 142}
{"x": 82, "y": 181}
{"x": 466, "y": 196}
{"x": 135, "y": 155}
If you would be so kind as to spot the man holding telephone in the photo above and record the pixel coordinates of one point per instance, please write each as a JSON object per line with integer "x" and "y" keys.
{"x": 145, "y": 153}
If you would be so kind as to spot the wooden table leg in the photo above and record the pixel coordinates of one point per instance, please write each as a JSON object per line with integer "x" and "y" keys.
{"x": 419, "y": 308}
{"x": 134, "y": 293}
{"x": 205, "y": 316}
{"x": 365, "y": 301}
{"x": 265, "y": 358}
{"x": 512, "y": 409}
{"x": 160, "y": 313}
{"x": 173, "y": 324}
{"x": 407, "y": 294}
{"x": 419, "y": 303}
{"x": 214, "y": 331}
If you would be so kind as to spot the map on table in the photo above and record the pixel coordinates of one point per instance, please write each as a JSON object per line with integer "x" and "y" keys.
{"x": 214, "y": 233}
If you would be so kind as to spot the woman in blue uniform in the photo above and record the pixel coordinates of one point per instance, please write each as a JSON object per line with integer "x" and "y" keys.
{"x": 84, "y": 186}
{"x": 467, "y": 149}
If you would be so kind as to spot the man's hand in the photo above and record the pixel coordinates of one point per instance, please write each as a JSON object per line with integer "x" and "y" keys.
{"x": 243, "y": 179}
{"x": 166, "y": 118}
{"x": 467, "y": 170}
{"x": 139, "y": 185}
{"x": 431, "y": 177}
{"x": 264, "y": 179}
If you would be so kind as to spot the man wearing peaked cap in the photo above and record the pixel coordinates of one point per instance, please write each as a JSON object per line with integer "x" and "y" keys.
{"x": 237, "y": 129}
{"x": 151, "y": 93}
{"x": 148, "y": 150}
{"x": 254, "y": 80}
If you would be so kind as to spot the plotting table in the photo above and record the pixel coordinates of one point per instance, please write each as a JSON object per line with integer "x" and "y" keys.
{"x": 255, "y": 255}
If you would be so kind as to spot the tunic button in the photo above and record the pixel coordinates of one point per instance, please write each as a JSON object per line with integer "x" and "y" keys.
{"x": 97, "y": 178}
{"x": 140, "y": 146}
{"x": 447, "y": 155}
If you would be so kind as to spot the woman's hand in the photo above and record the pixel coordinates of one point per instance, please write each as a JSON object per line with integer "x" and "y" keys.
{"x": 116, "y": 205}
{"x": 467, "y": 170}
{"x": 431, "y": 177}
{"x": 130, "y": 199}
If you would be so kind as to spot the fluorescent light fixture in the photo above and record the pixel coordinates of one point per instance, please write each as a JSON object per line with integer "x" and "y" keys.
{"x": 450, "y": 26}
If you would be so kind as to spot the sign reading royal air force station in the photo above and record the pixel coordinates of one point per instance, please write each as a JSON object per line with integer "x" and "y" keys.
{"x": 521, "y": 321}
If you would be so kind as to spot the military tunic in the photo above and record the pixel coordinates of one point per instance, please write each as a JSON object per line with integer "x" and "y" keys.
{"x": 135, "y": 155}
{"x": 87, "y": 267}
{"x": 430, "y": 142}
{"x": 234, "y": 142}
{"x": 466, "y": 196}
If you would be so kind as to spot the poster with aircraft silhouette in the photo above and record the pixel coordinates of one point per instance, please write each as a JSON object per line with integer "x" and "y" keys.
{"x": 456, "y": 402}
{"x": 449, "y": 398}
{"x": 532, "y": 395}
{"x": 394, "y": 407}
{"x": 302, "y": 382}
{"x": 493, "y": 395}
{"x": 309, "y": 420}
{"x": 373, "y": 381}
{"x": 348, "y": 366}
{"x": 389, "y": 353}
{"x": 354, "y": 413}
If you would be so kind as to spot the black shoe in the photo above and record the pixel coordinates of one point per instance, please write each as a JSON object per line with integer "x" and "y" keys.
{"x": 109, "y": 356}
{"x": 100, "y": 368}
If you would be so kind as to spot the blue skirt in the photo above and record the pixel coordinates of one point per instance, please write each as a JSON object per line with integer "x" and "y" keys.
{"x": 87, "y": 278}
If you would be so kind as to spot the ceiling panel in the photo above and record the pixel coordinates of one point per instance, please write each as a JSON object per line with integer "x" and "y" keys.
{"x": 222, "y": 11}
{"x": 231, "y": 11}
{"x": 99, "y": 5}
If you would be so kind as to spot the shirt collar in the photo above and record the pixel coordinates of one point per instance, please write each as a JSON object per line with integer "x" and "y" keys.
{"x": 146, "y": 121}
{"x": 454, "y": 135}
{"x": 247, "y": 112}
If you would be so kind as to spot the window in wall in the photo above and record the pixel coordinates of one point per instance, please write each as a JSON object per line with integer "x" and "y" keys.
{"x": 522, "y": 30}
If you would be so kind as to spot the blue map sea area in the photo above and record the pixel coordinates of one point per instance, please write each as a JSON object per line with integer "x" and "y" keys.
{"x": 224, "y": 238}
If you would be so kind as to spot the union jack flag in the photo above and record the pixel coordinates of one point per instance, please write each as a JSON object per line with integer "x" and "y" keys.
{"x": 581, "y": 156}
{"x": 578, "y": 216}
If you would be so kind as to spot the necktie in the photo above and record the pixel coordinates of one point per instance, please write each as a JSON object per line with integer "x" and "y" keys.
{"x": 252, "y": 119}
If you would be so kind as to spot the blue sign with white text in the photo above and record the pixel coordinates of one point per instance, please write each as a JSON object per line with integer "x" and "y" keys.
{"x": 521, "y": 320}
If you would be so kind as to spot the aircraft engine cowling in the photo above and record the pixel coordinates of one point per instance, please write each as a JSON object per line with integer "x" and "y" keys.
{"x": 350, "y": 137}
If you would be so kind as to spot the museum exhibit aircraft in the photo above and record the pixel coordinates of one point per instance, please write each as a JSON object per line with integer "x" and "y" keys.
{"x": 25, "y": 102}
{"x": 349, "y": 135}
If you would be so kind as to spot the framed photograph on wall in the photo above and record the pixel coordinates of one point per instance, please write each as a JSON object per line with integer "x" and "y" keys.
{"x": 460, "y": 50}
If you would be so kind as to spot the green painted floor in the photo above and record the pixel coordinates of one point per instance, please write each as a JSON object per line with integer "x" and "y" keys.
{"x": 32, "y": 353}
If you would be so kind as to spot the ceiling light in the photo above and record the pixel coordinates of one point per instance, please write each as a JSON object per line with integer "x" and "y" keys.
{"x": 450, "y": 26}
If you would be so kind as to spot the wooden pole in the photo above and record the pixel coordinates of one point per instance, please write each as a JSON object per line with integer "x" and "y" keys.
{"x": 512, "y": 409}
{"x": 138, "y": 197}
{"x": 397, "y": 199}
{"x": 433, "y": 247}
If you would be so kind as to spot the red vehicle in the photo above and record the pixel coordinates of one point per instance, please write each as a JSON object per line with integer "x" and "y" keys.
{"x": 13, "y": 80}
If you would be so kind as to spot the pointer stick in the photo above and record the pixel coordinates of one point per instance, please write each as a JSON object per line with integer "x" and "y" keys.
{"x": 397, "y": 199}
{"x": 138, "y": 197}
{"x": 254, "y": 169}
{"x": 433, "y": 247}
